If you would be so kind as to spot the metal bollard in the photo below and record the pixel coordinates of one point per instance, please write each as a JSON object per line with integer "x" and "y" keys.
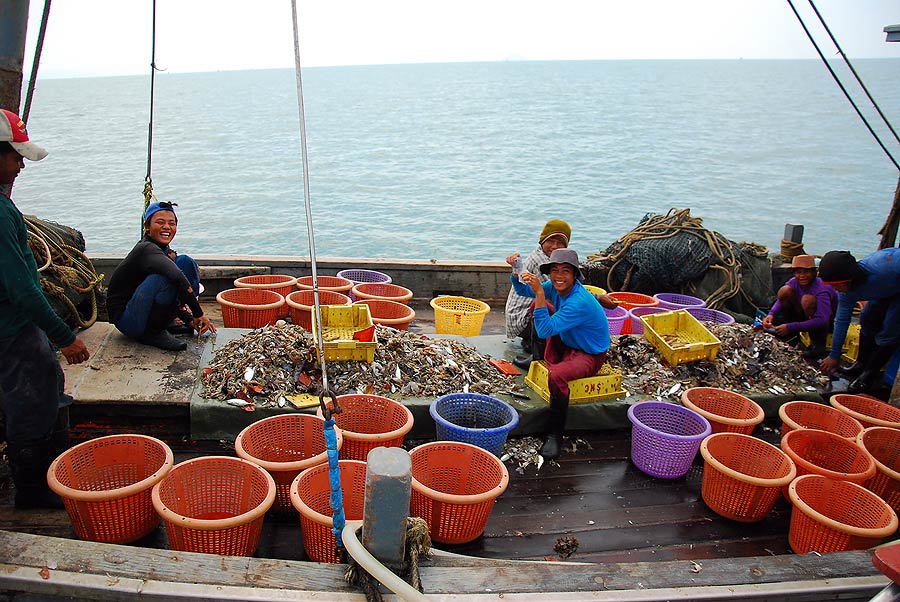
{"x": 386, "y": 507}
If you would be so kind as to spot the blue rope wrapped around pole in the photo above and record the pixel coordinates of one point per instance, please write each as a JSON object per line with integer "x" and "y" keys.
{"x": 334, "y": 477}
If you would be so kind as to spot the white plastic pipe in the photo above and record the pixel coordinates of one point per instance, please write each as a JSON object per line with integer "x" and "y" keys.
{"x": 384, "y": 575}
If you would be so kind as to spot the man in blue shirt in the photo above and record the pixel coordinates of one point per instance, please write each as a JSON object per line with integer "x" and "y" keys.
{"x": 576, "y": 329}
{"x": 876, "y": 280}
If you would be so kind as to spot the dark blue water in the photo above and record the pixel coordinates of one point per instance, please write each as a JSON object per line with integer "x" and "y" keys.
{"x": 468, "y": 160}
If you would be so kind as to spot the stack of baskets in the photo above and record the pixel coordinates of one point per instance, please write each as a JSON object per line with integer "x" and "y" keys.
{"x": 629, "y": 301}
{"x": 301, "y": 303}
{"x": 358, "y": 276}
{"x": 277, "y": 283}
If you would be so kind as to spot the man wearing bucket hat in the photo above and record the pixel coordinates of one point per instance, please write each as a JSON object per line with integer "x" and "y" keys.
{"x": 31, "y": 380}
{"x": 876, "y": 280}
{"x": 804, "y": 304}
{"x": 153, "y": 285}
{"x": 577, "y": 333}
{"x": 554, "y": 235}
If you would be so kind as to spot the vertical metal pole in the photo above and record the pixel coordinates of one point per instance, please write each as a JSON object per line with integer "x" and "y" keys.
{"x": 13, "y": 27}
{"x": 388, "y": 488}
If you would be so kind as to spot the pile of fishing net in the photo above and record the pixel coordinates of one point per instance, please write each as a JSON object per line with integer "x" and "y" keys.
{"x": 674, "y": 253}
{"x": 68, "y": 279}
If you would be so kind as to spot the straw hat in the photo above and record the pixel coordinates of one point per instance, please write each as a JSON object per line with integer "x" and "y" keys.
{"x": 806, "y": 262}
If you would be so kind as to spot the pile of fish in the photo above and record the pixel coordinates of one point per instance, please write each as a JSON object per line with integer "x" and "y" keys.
{"x": 267, "y": 365}
{"x": 748, "y": 361}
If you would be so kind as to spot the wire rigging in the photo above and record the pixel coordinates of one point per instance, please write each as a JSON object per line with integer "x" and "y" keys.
{"x": 148, "y": 180}
{"x": 37, "y": 61}
{"x": 837, "y": 80}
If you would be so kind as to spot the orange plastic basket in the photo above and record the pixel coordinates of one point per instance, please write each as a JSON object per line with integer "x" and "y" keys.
{"x": 834, "y": 516}
{"x": 630, "y": 301}
{"x": 883, "y": 444}
{"x": 829, "y": 455}
{"x": 389, "y": 313}
{"x": 459, "y": 315}
{"x": 285, "y": 445}
{"x": 742, "y": 475}
{"x": 370, "y": 421}
{"x": 249, "y": 307}
{"x": 215, "y": 505}
{"x": 454, "y": 487}
{"x": 812, "y": 415}
{"x": 279, "y": 283}
{"x": 311, "y": 497}
{"x": 105, "y": 484}
{"x": 382, "y": 290}
{"x": 726, "y": 411}
{"x": 326, "y": 283}
{"x": 868, "y": 410}
{"x": 300, "y": 304}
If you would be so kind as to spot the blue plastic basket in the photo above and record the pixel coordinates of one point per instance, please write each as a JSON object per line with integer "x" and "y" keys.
{"x": 665, "y": 437}
{"x": 473, "y": 418}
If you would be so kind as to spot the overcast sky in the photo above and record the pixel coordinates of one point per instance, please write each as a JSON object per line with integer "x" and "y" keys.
{"x": 113, "y": 37}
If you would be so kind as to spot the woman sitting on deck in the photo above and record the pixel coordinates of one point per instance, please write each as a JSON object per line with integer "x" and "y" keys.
{"x": 576, "y": 329}
{"x": 153, "y": 285}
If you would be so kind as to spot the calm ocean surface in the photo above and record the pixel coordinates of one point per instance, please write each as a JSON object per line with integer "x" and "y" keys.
{"x": 467, "y": 161}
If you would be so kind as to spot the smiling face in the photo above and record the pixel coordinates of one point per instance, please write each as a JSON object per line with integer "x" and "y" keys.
{"x": 552, "y": 243}
{"x": 804, "y": 276}
{"x": 562, "y": 275}
{"x": 162, "y": 227}
{"x": 11, "y": 163}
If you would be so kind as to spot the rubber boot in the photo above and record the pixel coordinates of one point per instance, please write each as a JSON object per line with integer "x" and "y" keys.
{"x": 866, "y": 346}
{"x": 537, "y": 347}
{"x": 553, "y": 444}
{"x": 816, "y": 349}
{"x": 866, "y": 378}
{"x": 524, "y": 361}
{"x": 59, "y": 438}
{"x": 29, "y": 461}
{"x": 156, "y": 333}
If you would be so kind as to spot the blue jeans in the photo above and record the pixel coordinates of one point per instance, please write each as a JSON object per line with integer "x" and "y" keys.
{"x": 881, "y": 319}
{"x": 158, "y": 291}
{"x": 32, "y": 385}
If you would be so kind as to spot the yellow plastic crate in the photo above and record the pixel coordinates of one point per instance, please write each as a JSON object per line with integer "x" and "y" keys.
{"x": 851, "y": 344}
{"x": 339, "y": 323}
{"x": 680, "y": 337}
{"x": 606, "y": 384}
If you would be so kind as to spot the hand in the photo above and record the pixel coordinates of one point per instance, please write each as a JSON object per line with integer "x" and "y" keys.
{"x": 767, "y": 321}
{"x": 782, "y": 330}
{"x": 202, "y": 324}
{"x": 533, "y": 281}
{"x": 828, "y": 365}
{"x": 76, "y": 353}
{"x": 608, "y": 302}
{"x": 512, "y": 259}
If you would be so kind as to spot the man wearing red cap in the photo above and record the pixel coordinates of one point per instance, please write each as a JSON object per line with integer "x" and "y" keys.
{"x": 876, "y": 280}
{"x": 31, "y": 379}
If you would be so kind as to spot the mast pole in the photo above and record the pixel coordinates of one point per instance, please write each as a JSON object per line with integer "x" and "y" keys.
{"x": 13, "y": 27}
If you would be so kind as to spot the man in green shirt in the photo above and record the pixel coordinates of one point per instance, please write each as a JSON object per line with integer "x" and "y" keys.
{"x": 31, "y": 379}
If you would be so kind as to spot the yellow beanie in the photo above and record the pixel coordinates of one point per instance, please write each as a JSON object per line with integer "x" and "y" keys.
{"x": 555, "y": 227}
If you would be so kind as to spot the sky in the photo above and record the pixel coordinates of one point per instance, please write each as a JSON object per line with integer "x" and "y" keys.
{"x": 113, "y": 37}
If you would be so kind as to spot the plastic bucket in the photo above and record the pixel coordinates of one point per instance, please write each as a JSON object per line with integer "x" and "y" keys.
{"x": 389, "y": 313}
{"x": 249, "y": 307}
{"x": 637, "y": 327}
{"x": 326, "y": 283}
{"x": 382, "y": 290}
{"x": 868, "y": 410}
{"x": 812, "y": 415}
{"x": 630, "y": 301}
{"x": 301, "y": 303}
{"x": 714, "y": 316}
{"x": 678, "y": 301}
{"x": 616, "y": 318}
{"x": 357, "y": 276}
{"x": 278, "y": 283}
{"x": 829, "y": 455}
{"x": 370, "y": 421}
{"x": 725, "y": 410}
{"x": 883, "y": 444}
{"x": 459, "y": 315}
{"x": 473, "y": 418}
{"x": 665, "y": 438}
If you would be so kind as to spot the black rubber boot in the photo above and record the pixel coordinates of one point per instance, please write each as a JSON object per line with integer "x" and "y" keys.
{"x": 816, "y": 349}
{"x": 866, "y": 378}
{"x": 29, "y": 461}
{"x": 59, "y": 438}
{"x": 866, "y": 346}
{"x": 179, "y": 328}
{"x": 537, "y": 347}
{"x": 156, "y": 333}
{"x": 553, "y": 444}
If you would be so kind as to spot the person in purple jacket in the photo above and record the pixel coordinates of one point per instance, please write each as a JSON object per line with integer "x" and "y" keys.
{"x": 804, "y": 304}
{"x": 876, "y": 280}
{"x": 576, "y": 329}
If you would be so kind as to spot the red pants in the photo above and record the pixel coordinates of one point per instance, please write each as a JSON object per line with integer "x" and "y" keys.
{"x": 565, "y": 364}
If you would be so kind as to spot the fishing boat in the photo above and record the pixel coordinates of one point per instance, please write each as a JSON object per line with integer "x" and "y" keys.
{"x": 638, "y": 537}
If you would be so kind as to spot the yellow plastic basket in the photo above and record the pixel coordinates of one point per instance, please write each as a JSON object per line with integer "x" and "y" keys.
{"x": 850, "y": 348}
{"x": 459, "y": 315}
{"x": 595, "y": 290}
{"x": 339, "y": 324}
{"x": 606, "y": 384}
{"x": 680, "y": 337}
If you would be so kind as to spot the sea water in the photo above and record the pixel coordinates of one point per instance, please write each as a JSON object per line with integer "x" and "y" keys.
{"x": 467, "y": 160}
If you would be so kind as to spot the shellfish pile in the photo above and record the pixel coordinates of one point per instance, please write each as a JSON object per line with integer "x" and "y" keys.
{"x": 268, "y": 364}
{"x": 748, "y": 361}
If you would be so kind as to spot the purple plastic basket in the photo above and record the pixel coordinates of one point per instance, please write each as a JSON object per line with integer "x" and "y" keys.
{"x": 616, "y": 318}
{"x": 705, "y": 314}
{"x": 665, "y": 438}
{"x": 637, "y": 327}
{"x": 678, "y": 301}
{"x": 359, "y": 276}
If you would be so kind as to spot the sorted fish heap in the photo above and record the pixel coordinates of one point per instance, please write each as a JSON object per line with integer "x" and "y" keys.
{"x": 268, "y": 364}
{"x": 748, "y": 361}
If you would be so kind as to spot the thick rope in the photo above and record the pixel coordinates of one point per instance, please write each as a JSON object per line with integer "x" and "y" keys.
{"x": 790, "y": 249}
{"x": 665, "y": 226}
{"x": 416, "y": 546}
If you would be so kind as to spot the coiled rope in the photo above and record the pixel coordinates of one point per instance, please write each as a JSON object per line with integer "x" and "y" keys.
{"x": 69, "y": 266}
{"x": 675, "y": 222}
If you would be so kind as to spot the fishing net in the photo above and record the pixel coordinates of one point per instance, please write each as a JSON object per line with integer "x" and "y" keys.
{"x": 68, "y": 279}
{"x": 675, "y": 253}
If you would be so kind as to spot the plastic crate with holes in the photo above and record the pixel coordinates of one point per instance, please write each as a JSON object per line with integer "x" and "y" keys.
{"x": 680, "y": 337}
{"x": 849, "y": 350}
{"x": 606, "y": 384}
{"x": 348, "y": 333}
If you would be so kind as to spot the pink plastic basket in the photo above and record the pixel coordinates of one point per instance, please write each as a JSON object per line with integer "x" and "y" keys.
{"x": 616, "y": 318}
{"x": 678, "y": 301}
{"x": 665, "y": 438}
{"x": 634, "y": 314}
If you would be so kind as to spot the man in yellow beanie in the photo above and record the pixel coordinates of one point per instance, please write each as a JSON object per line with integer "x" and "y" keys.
{"x": 555, "y": 235}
